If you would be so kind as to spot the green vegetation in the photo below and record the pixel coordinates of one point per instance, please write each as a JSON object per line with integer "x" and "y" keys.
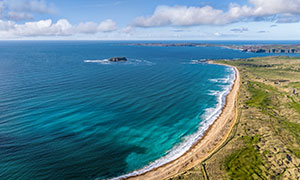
{"x": 270, "y": 83}
{"x": 295, "y": 84}
{"x": 247, "y": 162}
{"x": 266, "y": 141}
{"x": 269, "y": 100}
{"x": 294, "y": 129}
{"x": 260, "y": 97}
{"x": 295, "y": 105}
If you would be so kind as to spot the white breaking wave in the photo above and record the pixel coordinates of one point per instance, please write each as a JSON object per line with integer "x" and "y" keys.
{"x": 198, "y": 61}
{"x": 103, "y": 61}
{"x": 221, "y": 80}
{"x": 225, "y": 80}
{"x": 131, "y": 61}
{"x": 210, "y": 115}
{"x": 214, "y": 80}
{"x": 214, "y": 93}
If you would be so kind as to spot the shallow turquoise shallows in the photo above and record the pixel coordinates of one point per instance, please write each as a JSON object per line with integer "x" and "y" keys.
{"x": 64, "y": 115}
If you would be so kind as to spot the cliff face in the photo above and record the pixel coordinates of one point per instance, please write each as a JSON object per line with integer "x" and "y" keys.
{"x": 257, "y": 49}
{"x": 118, "y": 59}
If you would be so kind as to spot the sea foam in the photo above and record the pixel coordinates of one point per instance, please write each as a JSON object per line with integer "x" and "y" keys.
{"x": 210, "y": 115}
{"x": 103, "y": 61}
{"x": 129, "y": 62}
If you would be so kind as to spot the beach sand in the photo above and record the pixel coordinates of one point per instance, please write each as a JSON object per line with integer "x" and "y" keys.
{"x": 212, "y": 139}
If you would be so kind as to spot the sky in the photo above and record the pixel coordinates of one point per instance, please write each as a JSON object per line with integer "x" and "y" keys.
{"x": 150, "y": 20}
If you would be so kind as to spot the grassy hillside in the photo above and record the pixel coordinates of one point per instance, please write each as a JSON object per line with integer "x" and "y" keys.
{"x": 265, "y": 142}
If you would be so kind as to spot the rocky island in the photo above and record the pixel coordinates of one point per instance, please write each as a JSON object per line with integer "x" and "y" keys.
{"x": 118, "y": 59}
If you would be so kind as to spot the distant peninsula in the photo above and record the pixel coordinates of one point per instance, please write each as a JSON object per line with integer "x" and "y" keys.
{"x": 289, "y": 49}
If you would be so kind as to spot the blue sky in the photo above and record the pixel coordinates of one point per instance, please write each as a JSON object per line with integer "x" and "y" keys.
{"x": 150, "y": 19}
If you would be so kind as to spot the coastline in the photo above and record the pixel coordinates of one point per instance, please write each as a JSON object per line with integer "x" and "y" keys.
{"x": 213, "y": 137}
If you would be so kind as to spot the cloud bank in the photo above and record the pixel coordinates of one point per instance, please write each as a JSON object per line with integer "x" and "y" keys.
{"x": 10, "y": 29}
{"x": 18, "y": 19}
{"x": 278, "y": 10}
{"x": 12, "y": 12}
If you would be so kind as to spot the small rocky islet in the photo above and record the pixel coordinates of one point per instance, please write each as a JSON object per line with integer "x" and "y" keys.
{"x": 118, "y": 59}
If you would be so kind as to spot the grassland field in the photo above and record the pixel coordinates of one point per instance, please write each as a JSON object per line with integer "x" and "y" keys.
{"x": 265, "y": 141}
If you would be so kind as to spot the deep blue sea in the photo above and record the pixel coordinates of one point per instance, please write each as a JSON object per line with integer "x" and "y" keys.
{"x": 67, "y": 114}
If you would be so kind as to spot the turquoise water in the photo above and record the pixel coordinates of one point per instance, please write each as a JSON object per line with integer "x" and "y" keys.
{"x": 62, "y": 117}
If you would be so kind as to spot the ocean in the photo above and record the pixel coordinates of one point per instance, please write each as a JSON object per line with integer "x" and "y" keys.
{"x": 66, "y": 113}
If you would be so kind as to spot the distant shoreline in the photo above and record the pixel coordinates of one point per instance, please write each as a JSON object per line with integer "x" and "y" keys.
{"x": 213, "y": 137}
{"x": 274, "y": 48}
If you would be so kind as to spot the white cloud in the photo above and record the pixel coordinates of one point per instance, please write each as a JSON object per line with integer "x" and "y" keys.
{"x": 9, "y": 29}
{"x": 207, "y": 15}
{"x": 43, "y": 28}
{"x": 239, "y": 30}
{"x": 182, "y": 16}
{"x": 222, "y": 35}
{"x": 264, "y": 8}
{"x": 107, "y": 26}
{"x": 6, "y": 25}
{"x": 88, "y": 27}
{"x": 272, "y": 7}
{"x": 92, "y": 27}
{"x": 217, "y": 34}
{"x": 127, "y": 30}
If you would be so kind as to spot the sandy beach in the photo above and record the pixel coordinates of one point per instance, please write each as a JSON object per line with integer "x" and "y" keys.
{"x": 212, "y": 139}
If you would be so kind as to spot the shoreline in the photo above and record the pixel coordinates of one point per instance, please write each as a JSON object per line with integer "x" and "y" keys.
{"x": 210, "y": 140}
{"x": 263, "y": 48}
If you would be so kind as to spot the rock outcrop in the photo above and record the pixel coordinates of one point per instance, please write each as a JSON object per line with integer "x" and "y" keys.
{"x": 118, "y": 59}
{"x": 288, "y": 49}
